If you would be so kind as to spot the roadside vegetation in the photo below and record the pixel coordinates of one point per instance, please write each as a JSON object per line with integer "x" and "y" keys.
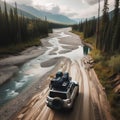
{"x": 106, "y": 51}
{"x": 107, "y": 69}
{"x": 16, "y": 48}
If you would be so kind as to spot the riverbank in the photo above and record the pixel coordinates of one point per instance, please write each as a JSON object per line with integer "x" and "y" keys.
{"x": 13, "y": 56}
{"x": 15, "y": 49}
{"x": 10, "y": 65}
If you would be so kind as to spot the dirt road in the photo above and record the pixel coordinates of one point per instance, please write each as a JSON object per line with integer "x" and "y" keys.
{"x": 91, "y": 103}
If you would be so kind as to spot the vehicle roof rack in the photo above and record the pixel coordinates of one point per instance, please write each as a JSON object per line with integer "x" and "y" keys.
{"x": 64, "y": 87}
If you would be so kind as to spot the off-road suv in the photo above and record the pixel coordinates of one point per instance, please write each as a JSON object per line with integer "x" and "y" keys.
{"x": 62, "y": 93}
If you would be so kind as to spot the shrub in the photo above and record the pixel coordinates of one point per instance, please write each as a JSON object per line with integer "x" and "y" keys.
{"x": 96, "y": 55}
{"x": 114, "y": 63}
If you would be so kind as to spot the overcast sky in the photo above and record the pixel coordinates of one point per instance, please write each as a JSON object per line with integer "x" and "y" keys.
{"x": 70, "y": 8}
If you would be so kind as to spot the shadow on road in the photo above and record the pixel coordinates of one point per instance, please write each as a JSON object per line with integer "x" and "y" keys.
{"x": 73, "y": 113}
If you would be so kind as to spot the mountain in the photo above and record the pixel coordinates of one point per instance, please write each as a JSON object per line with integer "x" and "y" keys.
{"x": 50, "y": 17}
{"x": 26, "y": 14}
{"x": 78, "y": 20}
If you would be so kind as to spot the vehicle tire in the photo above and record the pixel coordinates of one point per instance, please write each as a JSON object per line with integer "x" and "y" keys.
{"x": 57, "y": 103}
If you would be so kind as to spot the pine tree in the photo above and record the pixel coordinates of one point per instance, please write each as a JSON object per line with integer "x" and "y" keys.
{"x": 116, "y": 12}
{"x": 85, "y": 29}
{"x": 104, "y": 26}
{"x": 115, "y": 23}
{"x": 116, "y": 36}
{"x": 80, "y": 26}
{"x": 98, "y": 27}
{"x": 1, "y": 24}
{"x": 12, "y": 35}
{"x": 6, "y": 24}
{"x": 16, "y": 31}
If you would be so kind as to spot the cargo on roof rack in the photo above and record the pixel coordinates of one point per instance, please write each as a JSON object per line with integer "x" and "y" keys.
{"x": 61, "y": 81}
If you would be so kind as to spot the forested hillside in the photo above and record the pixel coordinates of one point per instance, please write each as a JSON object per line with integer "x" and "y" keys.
{"x": 16, "y": 28}
{"x": 104, "y": 34}
{"x": 108, "y": 37}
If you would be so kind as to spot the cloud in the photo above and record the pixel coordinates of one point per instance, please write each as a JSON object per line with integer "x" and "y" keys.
{"x": 53, "y": 8}
{"x": 87, "y": 12}
{"x": 93, "y": 9}
{"x": 28, "y": 2}
{"x": 90, "y": 9}
{"x": 65, "y": 10}
{"x": 57, "y": 9}
{"x": 50, "y": 7}
{"x": 83, "y": 1}
{"x": 92, "y": 2}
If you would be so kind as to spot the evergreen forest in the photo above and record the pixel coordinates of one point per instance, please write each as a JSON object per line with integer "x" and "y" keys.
{"x": 106, "y": 29}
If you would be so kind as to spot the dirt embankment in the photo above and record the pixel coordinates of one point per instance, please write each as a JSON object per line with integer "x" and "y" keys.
{"x": 115, "y": 82}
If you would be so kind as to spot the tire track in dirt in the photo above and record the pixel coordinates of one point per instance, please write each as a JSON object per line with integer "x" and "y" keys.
{"x": 99, "y": 98}
{"x": 76, "y": 112}
{"x": 88, "y": 112}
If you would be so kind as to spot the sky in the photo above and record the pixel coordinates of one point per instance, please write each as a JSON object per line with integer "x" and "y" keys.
{"x": 70, "y": 8}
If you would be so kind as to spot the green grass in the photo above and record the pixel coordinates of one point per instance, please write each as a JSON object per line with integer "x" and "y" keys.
{"x": 90, "y": 40}
{"x": 78, "y": 33}
{"x": 114, "y": 63}
{"x": 16, "y": 48}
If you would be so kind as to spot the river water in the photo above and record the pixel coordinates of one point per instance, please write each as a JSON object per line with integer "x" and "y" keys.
{"x": 32, "y": 70}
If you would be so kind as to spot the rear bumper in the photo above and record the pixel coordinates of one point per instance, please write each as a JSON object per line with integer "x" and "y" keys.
{"x": 64, "y": 106}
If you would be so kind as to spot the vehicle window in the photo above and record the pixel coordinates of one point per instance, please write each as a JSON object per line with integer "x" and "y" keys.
{"x": 56, "y": 94}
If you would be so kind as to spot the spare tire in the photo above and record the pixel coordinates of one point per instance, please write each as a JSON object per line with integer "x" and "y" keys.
{"x": 57, "y": 103}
